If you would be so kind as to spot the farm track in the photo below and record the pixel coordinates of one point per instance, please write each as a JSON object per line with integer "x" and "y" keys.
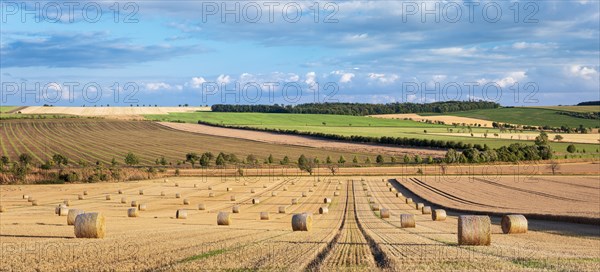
{"x": 448, "y": 196}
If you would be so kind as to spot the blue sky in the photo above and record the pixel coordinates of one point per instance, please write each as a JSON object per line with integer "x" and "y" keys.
{"x": 175, "y": 52}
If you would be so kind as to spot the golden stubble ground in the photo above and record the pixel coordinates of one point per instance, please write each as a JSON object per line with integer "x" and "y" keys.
{"x": 34, "y": 238}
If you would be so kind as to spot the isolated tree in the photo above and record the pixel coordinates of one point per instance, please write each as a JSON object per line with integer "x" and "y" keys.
{"x": 430, "y": 160}
{"x": 60, "y": 160}
{"x": 393, "y": 159}
{"x": 571, "y": 148}
{"x": 406, "y": 158}
{"x": 220, "y": 161}
{"x": 191, "y": 158}
{"x": 251, "y": 159}
{"x": 328, "y": 160}
{"x": 131, "y": 159}
{"x": 162, "y": 161}
{"x": 418, "y": 159}
{"x": 270, "y": 159}
{"x": 285, "y": 160}
{"x": 305, "y": 164}
{"x": 316, "y": 160}
{"x": 333, "y": 169}
{"x": 355, "y": 159}
{"x": 379, "y": 159}
{"x": 113, "y": 162}
{"x": 25, "y": 159}
{"x": 204, "y": 160}
{"x": 554, "y": 166}
{"x": 541, "y": 139}
{"x": 368, "y": 160}
{"x": 558, "y": 137}
{"x": 342, "y": 160}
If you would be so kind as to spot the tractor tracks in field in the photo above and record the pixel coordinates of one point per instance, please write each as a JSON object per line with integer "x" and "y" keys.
{"x": 347, "y": 228}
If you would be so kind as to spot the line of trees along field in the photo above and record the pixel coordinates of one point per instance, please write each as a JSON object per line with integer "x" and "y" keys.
{"x": 474, "y": 153}
{"x": 360, "y": 109}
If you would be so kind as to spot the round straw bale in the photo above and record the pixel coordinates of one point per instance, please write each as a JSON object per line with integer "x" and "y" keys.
{"x": 90, "y": 225}
{"x": 176, "y": 184}
{"x": 25, "y": 197}
{"x": 302, "y": 222}
{"x": 255, "y": 201}
{"x": 327, "y": 200}
{"x": 438, "y": 215}
{"x": 195, "y": 185}
{"x": 211, "y": 194}
{"x": 63, "y": 211}
{"x": 223, "y": 219}
{"x": 186, "y": 201}
{"x": 419, "y": 206}
{"x": 514, "y": 223}
{"x": 166, "y": 180}
{"x": 132, "y": 212}
{"x": 336, "y": 193}
{"x": 311, "y": 190}
{"x": 232, "y": 198}
{"x": 294, "y": 201}
{"x": 293, "y": 183}
{"x": 371, "y": 200}
{"x": 123, "y": 200}
{"x": 264, "y": 216}
{"x": 134, "y": 203}
{"x": 181, "y": 214}
{"x": 201, "y": 207}
{"x": 426, "y": 210}
{"x": 209, "y": 188}
{"x": 387, "y": 185}
{"x": 398, "y": 194}
{"x": 85, "y": 192}
{"x": 245, "y": 183}
{"x": 252, "y": 191}
{"x": 375, "y": 207}
{"x": 2, "y": 209}
{"x": 177, "y": 195}
{"x": 264, "y": 186}
{"x": 141, "y": 192}
{"x": 142, "y": 207}
{"x": 229, "y": 189}
{"x": 323, "y": 210}
{"x": 235, "y": 209}
{"x": 304, "y": 194}
{"x": 339, "y": 182}
{"x": 384, "y": 213}
{"x": 273, "y": 193}
{"x": 72, "y": 214}
{"x": 120, "y": 192}
{"x": 162, "y": 193}
{"x": 285, "y": 188}
{"x": 282, "y": 209}
{"x": 368, "y": 193}
{"x": 108, "y": 197}
{"x": 80, "y": 197}
{"x": 392, "y": 189}
{"x": 407, "y": 220}
{"x": 30, "y": 198}
{"x": 34, "y": 202}
{"x": 474, "y": 230}
{"x": 409, "y": 200}
{"x": 337, "y": 188}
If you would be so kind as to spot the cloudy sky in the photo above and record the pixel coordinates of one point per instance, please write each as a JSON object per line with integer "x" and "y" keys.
{"x": 177, "y": 52}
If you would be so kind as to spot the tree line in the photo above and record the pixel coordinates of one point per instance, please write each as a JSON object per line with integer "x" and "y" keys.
{"x": 360, "y": 109}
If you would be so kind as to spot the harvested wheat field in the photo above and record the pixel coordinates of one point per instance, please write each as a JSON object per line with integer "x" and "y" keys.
{"x": 552, "y": 196}
{"x": 447, "y": 119}
{"x": 275, "y": 138}
{"x": 349, "y": 237}
{"x": 108, "y": 111}
{"x": 92, "y": 140}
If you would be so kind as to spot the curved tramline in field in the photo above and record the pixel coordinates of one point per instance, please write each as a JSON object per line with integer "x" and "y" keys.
{"x": 568, "y": 198}
{"x": 100, "y": 140}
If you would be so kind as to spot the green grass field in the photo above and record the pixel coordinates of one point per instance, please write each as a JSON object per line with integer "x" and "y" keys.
{"x": 4, "y": 109}
{"x": 571, "y": 108}
{"x": 349, "y": 125}
{"x": 526, "y": 116}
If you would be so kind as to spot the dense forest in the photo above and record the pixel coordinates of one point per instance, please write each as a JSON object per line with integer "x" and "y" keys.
{"x": 589, "y": 103}
{"x": 360, "y": 108}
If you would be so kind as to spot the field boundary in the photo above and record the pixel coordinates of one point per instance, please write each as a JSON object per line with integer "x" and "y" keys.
{"x": 536, "y": 216}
